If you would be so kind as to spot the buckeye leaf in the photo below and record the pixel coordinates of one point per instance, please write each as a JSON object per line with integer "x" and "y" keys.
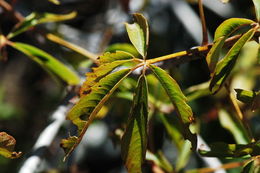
{"x": 221, "y": 149}
{"x": 84, "y": 112}
{"x": 224, "y": 30}
{"x": 38, "y": 18}
{"x": 257, "y": 9}
{"x": 249, "y": 97}
{"x": 7, "y": 144}
{"x": 225, "y": 66}
{"x": 179, "y": 101}
{"x": 126, "y": 47}
{"x": 48, "y": 62}
{"x": 138, "y": 33}
{"x": 134, "y": 140}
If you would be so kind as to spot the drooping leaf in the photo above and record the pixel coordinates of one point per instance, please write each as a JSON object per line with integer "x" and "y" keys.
{"x": 85, "y": 111}
{"x": 7, "y": 144}
{"x": 221, "y": 149}
{"x": 126, "y": 47}
{"x": 179, "y": 101}
{"x": 257, "y": 9}
{"x": 222, "y": 32}
{"x": 107, "y": 63}
{"x": 48, "y": 62}
{"x": 235, "y": 128}
{"x": 138, "y": 33}
{"x": 39, "y": 18}
{"x": 225, "y": 66}
{"x": 249, "y": 97}
{"x": 134, "y": 140}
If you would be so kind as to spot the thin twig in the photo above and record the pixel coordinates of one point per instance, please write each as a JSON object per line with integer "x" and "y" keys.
{"x": 203, "y": 23}
{"x": 9, "y": 9}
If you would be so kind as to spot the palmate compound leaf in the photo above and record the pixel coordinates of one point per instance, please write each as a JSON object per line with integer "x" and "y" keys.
{"x": 99, "y": 86}
{"x": 224, "y": 30}
{"x": 179, "y": 101}
{"x": 48, "y": 62}
{"x": 225, "y": 66}
{"x": 39, "y": 18}
{"x": 134, "y": 140}
{"x": 7, "y": 144}
{"x": 138, "y": 33}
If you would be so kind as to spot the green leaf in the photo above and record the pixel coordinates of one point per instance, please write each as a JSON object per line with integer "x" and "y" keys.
{"x": 179, "y": 101}
{"x": 236, "y": 129}
{"x": 257, "y": 9}
{"x": 39, "y": 18}
{"x": 229, "y": 26}
{"x": 134, "y": 140}
{"x": 252, "y": 166}
{"x": 48, "y": 62}
{"x": 7, "y": 144}
{"x": 222, "y": 33}
{"x": 84, "y": 112}
{"x": 225, "y": 66}
{"x": 160, "y": 160}
{"x": 138, "y": 33}
{"x": 221, "y": 149}
{"x": 126, "y": 47}
{"x": 249, "y": 97}
{"x": 107, "y": 63}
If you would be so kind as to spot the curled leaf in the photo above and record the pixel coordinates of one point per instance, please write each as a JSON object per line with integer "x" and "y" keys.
{"x": 257, "y": 9}
{"x": 39, "y": 18}
{"x": 138, "y": 33}
{"x": 249, "y": 97}
{"x": 7, "y": 144}
{"x": 225, "y": 66}
{"x": 224, "y": 30}
{"x": 134, "y": 140}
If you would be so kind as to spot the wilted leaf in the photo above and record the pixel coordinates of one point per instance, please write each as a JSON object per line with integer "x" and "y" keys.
{"x": 126, "y": 47}
{"x": 48, "y": 62}
{"x": 249, "y": 97}
{"x": 222, "y": 149}
{"x": 179, "y": 101}
{"x": 235, "y": 128}
{"x": 222, "y": 32}
{"x": 138, "y": 33}
{"x": 134, "y": 140}
{"x": 85, "y": 111}
{"x": 7, "y": 144}
{"x": 257, "y": 9}
{"x": 36, "y": 19}
{"x": 225, "y": 66}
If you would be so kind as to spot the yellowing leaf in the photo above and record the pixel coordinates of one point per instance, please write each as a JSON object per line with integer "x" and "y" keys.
{"x": 7, "y": 144}
{"x": 36, "y": 19}
{"x": 224, "y": 30}
{"x": 48, "y": 62}
{"x": 225, "y": 66}
{"x": 85, "y": 111}
{"x": 138, "y": 33}
{"x": 56, "y": 2}
{"x": 179, "y": 101}
{"x": 134, "y": 140}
